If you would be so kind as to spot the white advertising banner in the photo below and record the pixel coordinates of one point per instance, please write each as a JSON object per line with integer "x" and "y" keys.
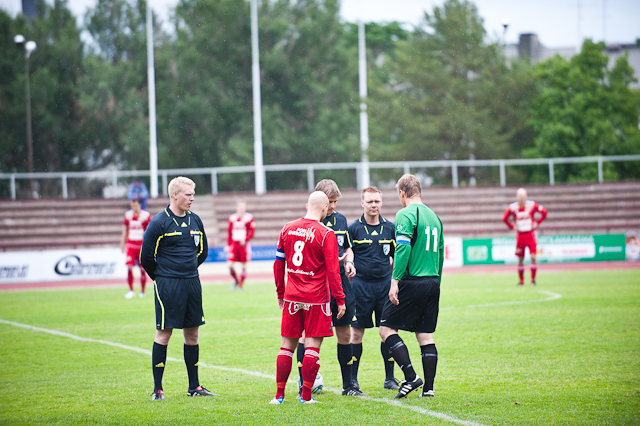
{"x": 62, "y": 265}
{"x": 452, "y": 252}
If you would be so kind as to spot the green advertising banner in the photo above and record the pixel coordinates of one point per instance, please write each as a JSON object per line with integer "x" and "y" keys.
{"x": 551, "y": 248}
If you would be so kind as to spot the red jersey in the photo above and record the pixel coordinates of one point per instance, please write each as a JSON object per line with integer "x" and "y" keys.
{"x": 308, "y": 250}
{"x": 136, "y": 225}
{"x": 523, "y": 217}
{"x": 241, "y": 228}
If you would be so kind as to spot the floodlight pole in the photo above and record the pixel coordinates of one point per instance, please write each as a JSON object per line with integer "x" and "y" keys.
{"x": 363, "y": 176}
{"x": 29, "y": 131}
{"x": 151, "y": 77}
{"x": 261, "y": 186}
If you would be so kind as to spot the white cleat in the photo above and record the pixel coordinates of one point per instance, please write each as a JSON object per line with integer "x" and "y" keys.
{"x": 428, "y": 394}
{"x": 311, "y": 401}
{"x": 130, "y": 294}
{"x": 277, "y": 401}
{"x": 141, "y": 295}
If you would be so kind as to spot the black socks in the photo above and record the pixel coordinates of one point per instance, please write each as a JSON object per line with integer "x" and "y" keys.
{"x": 388, "y": 361}
{"x": 300, "y": 358}
{"x": 400, "y": 353}
{"x": 191, "y": 357}
{"x": 158, "y": 360}
{"x": 345, "y": 354}
{"x": 357, "y": 354}
{"x": 429, "y": 364}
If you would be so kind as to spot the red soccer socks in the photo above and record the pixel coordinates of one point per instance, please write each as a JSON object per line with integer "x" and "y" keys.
{"x": 283, "y": 369}
{"x": 310, "y": 367}
{"x": 521, "y": 273}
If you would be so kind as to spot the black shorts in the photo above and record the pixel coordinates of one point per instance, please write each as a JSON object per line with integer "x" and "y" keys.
{"x": 349, "y": 301}
{"x": 371, "y": 297}
{"x": 419, "y": 305}
{"x": 178, "y": 302}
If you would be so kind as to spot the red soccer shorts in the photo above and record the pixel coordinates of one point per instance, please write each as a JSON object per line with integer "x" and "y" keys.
{"x": 526, "y": 239}
{"x": 239, "y": 253}
{"x": 133, "y": 255}
{"x": 314, "y": 320}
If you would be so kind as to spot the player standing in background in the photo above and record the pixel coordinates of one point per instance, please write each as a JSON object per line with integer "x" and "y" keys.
{"x": 138, "y": 189}
{"x": 174, "y": 246}
{"x": 414, "y": 296}
{"x": 241, "y": 230}
{"x": 135, "y": 223}
{"x": 308, "y": 253}
{"x": 374, "y": 243}
{"x": 523, "y": 212}
{"x": 338, "y": 223}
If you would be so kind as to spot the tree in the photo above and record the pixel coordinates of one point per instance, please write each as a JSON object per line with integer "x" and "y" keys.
{"x": 449, "y": 93}
{"x": 55, "y": 68}
{"x": 584, "y": 108}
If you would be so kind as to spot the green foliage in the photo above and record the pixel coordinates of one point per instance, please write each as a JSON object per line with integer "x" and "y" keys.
{"x": 506, "y": 356}
{"x": 449, "y": 94}
{"x": 584, "y": 108}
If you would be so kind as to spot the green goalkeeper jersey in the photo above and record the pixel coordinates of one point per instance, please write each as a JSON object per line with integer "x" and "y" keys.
{"x": 419, "y": 243}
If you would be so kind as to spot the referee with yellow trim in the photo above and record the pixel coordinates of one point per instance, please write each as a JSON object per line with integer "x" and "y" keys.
{"x": 174, "y": 246}
{"x": 414, "y": 295}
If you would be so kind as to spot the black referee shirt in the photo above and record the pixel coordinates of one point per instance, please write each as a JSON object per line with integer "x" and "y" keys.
{"x": 372, "y": 248}
{"x": 174, "y": 246}
{"x": 338, "y": 223}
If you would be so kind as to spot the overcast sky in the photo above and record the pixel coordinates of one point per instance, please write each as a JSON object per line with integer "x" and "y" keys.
{"x": 558, "y": 23}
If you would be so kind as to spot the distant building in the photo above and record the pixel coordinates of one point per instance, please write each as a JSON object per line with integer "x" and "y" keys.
{"x": 530, "y": 47}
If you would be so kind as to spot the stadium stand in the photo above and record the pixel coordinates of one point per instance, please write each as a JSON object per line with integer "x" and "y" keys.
{"x": 468, "y": 212}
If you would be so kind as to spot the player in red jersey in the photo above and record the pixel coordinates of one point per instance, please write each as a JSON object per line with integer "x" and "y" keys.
{"x": 523, "y": 212}
{"x": 134, "y": 224}
{"x": 308, "y": 253}
{"x": 241, "y": 230}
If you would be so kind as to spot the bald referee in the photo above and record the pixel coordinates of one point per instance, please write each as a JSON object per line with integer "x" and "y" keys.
{"x": 415, "y": 286}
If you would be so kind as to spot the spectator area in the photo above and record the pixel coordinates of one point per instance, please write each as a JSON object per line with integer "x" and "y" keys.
{"x": 468, "y": 212}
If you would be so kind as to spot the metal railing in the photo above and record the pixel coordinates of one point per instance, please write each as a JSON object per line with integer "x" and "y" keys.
{"x": 310, "y": 168}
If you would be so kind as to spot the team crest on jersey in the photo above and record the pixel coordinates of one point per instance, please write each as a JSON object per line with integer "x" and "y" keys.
{"x": 340, "y": 239}
{"x": 386, "y": 248}
{"x": 196, "y": 240}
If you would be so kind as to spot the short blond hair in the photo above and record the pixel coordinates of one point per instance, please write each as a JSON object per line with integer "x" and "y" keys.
{"x": 371, "y": 190}
{"x": 178, "y": 183}
{"x": 329, "y": 187}
{"x": 410, "y": 185}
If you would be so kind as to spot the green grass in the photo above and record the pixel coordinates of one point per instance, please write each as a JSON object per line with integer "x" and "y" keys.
{"x": 569, "y": 360}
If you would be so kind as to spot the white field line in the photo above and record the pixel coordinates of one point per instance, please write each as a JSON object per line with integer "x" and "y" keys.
{"x": 147, "y": 352}
{"x": 552, "y": 296}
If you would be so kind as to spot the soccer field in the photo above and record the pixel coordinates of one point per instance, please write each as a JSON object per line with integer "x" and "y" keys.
{"x": 564, "y": 352}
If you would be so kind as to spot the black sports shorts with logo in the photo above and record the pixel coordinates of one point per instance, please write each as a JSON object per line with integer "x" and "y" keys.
{"x": 178, "y": 302}
{"x": 349, "y": 301}
{"x": 419, "y": 305}
{"x": 371, "y": 296}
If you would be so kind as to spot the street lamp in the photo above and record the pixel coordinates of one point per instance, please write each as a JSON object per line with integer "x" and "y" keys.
{"x": 29, "y": 47}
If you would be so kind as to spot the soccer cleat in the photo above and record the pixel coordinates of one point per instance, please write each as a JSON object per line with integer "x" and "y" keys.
{"x": 407, "y": 387}
{"x": 141, "y": 295}
{"x": 200, "y": 391}
{"x": 355, "y": 384}
{"x": 352, "y": 392}
{"x": 311, "y": 401}
{"x": 533, "y": 283}
{"x": 157, "y": 396}
{"x": 277, "y": 401}
{"x": 391, "y": 384}
{"x": 520, "y": 283}
{"x": 234, "y": 286}
{"x": 427, "y": 394}
{"x": 130, "y": 294}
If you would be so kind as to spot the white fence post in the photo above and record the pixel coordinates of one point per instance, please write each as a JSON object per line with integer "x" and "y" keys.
{"x": 552, "y": 180}
{"x": 214, "y": 181}
{"x": 407, "y": 168}
{"x": 454, "y": 174}
{"x": 311, "y": 179}
{"x": 13, "y": 186}
{"x": 600, "y": 174}
{"x": 65, "y": 193}
{"x": 503, "y": 177}
{"x": 165, "y": 183}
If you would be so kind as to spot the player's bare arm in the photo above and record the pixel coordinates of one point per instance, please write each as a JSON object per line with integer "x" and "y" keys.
{"x": 123, "y": 239}
{"x": 393, "y": 292}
